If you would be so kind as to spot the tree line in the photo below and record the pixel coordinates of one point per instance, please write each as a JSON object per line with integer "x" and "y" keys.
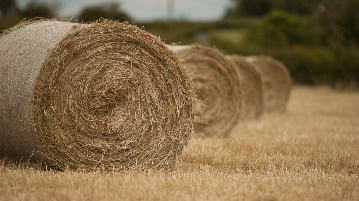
{"x": 10, "y": 9}
{"x": 339, "y": 17}
{"x": 318, "y": 40}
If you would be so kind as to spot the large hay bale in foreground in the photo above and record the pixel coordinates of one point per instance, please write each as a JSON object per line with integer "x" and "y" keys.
{"x": 217, "y": 86}
{"x": 252, "y": 107}
{"x": 99, "y": 96}
{"x": 276, "y": 82}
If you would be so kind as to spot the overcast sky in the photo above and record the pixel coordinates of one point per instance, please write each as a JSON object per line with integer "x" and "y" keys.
{"x": 146, "y": 10}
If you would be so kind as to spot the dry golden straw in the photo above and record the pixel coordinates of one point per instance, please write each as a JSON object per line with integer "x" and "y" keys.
{"x": 99, "y": 96}
{"x": 252, "y": 88}
{"x": 276, "y": 82}
{"x": 218, "y": 89}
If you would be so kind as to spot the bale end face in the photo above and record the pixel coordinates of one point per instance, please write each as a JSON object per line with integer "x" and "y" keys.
{"x": 252, "y": 97}
{"x": 218, "y": 89}
{"x": 276, "y": 82}
{"x": 108, "y": 96}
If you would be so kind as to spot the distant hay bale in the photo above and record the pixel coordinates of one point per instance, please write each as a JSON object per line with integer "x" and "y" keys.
{"x": 252, "y": 88}
{"x": 99, "y": 96}
{"x": 276, "y": 82}
{"x": 217, "y": 86}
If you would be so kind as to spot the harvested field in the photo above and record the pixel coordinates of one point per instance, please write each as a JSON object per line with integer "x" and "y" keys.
{"x": 308, "y": 153}
{"x": 218, "y": 88}
{"x": 276, "y": 82}
{"x": 99, "y": 96}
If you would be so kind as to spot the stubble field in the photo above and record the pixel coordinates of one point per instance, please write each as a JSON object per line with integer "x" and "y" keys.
{"x": 311, "y": 152}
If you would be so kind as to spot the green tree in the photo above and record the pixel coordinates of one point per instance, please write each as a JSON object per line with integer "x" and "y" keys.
{"x": 299, "y": 7}
{"x": 340, "y": 18}
{"x": 347, "y": 21}
{"x": 278, "y": 29}
{"x": 37, "y": 9}
{"x": 255, "y": 7}
{"x": 8, "y": 7}
{"x": 109, "y": 11}
{"x": 262, "y": 7}
{"x": 249, "y": 7}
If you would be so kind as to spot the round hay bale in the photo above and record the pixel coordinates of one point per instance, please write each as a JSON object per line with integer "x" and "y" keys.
{"x": 217, "y": 86}
{"x": 252, "y": 88}
{"x": 276, "y": 82}
{"x": 99, "y": 96}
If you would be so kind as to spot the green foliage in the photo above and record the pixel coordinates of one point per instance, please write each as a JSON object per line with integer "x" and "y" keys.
{"x": 262, "y": 7}
{"x": 278, "y": 29}
{"x": 108, "y": 11}
{"x": 309, "y": 65}
{"x": 340, "y": 20}
{"x": 36, "y": 9}
{"x": 233, "y": 41}
{"x": 304, "y": 46}
{"x": 300, "y": 7}
{"x": 348, "y": 21}
{"x": 314, "y": 65}
{"x": 347, "y": 64}
{"x": 254, "y": 7}
{"x": 7, "y": 7}
{"x": 298, "y": 42}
